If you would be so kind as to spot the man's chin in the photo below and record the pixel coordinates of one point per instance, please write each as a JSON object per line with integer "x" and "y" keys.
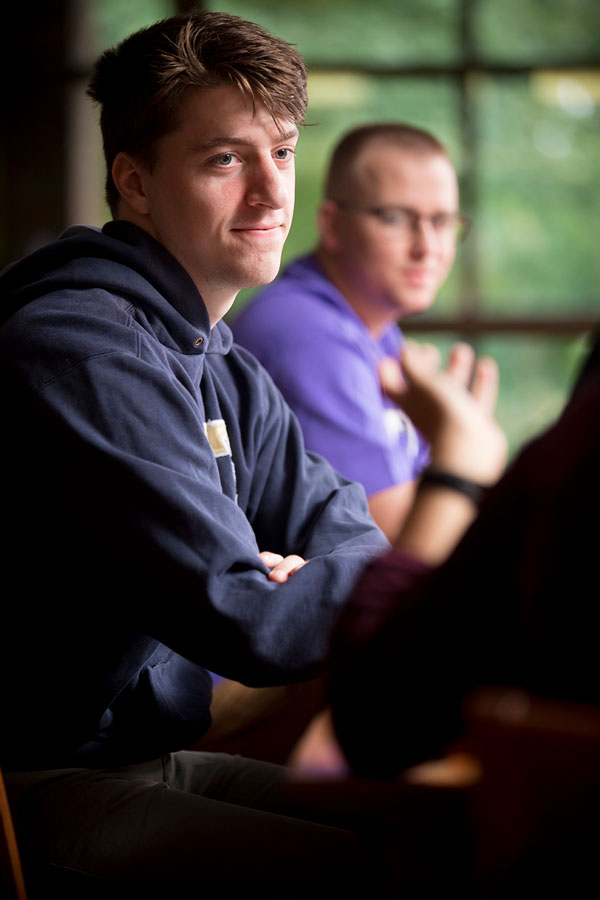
{"x": 264, "y": 273}
{"x": 413, "y": 303}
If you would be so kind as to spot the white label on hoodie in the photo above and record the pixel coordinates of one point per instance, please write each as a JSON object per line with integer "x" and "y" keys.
{"x": 216, "y": 432}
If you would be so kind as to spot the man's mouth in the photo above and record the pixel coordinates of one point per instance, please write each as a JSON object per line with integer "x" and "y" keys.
{"x": 259, "y": 227}
{"x": 418, "y": 276}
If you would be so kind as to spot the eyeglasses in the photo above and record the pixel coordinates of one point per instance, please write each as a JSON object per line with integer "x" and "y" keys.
{"x": 405, "y": 221}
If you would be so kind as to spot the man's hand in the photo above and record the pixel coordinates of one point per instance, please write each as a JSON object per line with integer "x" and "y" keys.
{"x": 281, "y": 566}
{"x": 453, "y": 407}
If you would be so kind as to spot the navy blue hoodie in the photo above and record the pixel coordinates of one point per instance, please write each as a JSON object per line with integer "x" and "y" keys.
{"x": 146, "y": 463}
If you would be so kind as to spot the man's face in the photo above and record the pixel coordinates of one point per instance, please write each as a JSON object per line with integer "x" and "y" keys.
{"x": 220, "y": 196}
{"x": 399, "y": 270}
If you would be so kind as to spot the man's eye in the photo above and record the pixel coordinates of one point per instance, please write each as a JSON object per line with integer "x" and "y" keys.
{"x": 442, "y": 221}
{"x": 392, "y": 216}
{"x": 284, "y": 153}
{"x": 224, "y": 159}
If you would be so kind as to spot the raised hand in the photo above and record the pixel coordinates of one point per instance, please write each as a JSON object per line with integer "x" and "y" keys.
{"x": 453, "y": 407}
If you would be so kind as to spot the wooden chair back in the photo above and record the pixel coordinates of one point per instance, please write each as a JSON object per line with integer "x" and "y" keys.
{"x": 12, "y": 884}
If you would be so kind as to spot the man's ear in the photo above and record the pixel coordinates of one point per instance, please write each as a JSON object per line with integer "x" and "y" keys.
{"x": 328, "y": 222}
{"x": 127, "y": 176}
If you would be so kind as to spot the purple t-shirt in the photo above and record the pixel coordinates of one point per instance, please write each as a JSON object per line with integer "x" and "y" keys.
{"x": 324, "y": 360}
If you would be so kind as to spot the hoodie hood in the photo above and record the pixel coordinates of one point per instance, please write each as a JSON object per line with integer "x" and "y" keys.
{"x": 125, "y": 260}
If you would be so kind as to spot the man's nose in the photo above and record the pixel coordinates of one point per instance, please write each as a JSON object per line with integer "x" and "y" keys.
{"x": 423, "y": 238}
{"x": 267, "y": 186}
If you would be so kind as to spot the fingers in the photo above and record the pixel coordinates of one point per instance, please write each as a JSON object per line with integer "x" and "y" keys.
{"x": 481, "y": 375}
{"x": 281, "y": 566}
{"x": 270, "y": 559}
{"x": 419, "y": 360}
{"x": 288, "y": 565}
{"x": 430, "y": 356}
{"x": 390, "y": 376}
{"x": 461, "y": 360}
{"x": 485, "y": 383}
{"x": 425, "y": 380}
{"x": 426, "y": 357}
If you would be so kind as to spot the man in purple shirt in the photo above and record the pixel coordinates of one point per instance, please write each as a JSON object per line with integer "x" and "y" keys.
{"x": 388, "y": 230}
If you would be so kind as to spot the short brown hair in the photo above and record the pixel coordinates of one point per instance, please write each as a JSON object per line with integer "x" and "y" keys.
{"x": 407, "y": 137}
{"x": 141, "y": 83}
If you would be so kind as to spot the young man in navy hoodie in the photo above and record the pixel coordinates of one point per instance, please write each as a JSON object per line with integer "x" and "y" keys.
{"x": 161, "y": 504}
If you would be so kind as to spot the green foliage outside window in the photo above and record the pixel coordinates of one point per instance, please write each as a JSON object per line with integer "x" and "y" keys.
{"x": 539, "y": 210}
{"x": 350, "y": 31}
{"x": 113, "y": 20}
{"x": 536, "y": 31}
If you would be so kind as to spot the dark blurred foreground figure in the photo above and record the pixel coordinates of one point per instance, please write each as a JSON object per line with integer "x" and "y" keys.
{"x": 514, "y": 605}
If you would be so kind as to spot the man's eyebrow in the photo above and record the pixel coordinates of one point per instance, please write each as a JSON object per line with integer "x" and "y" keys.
{"x": 288, "y": 135}
{"x": 221, "y": 140}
